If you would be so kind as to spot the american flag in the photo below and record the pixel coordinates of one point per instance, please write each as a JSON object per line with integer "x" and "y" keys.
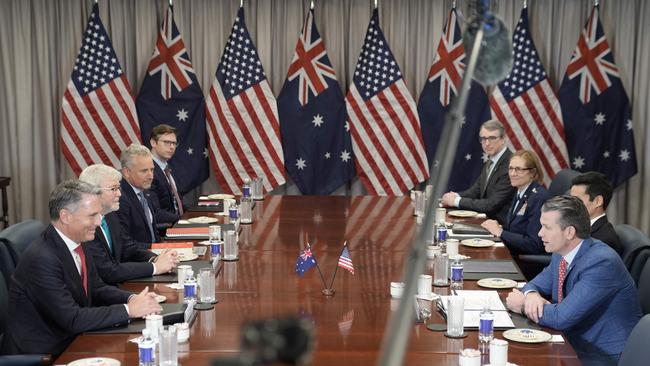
{"x": 386, "y": 135}
{"x": 596, "y": 108}
{"x": 170, "y": 93}
{"x": 442, "y": 86}
{"x": 345, "y": 261}
{"x": 305, "y": 261}
{"x": 98, "y": 114}
{"x": 528, "y": 106}
{"x": 242, "y": 116}
{"x": 317, "y": 146}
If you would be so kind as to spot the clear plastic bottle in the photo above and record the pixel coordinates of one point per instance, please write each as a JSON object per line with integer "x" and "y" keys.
{"x": 146, "y": 349}
{"x": 485, "y": 328}
{"x": 246, "y": 205}
{"x": 441, "y": 235}
{"x": 457, "y": 275}
{"x": 190, "y": 287}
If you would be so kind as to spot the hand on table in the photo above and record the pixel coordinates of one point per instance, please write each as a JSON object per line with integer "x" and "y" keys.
{"x": 449, "y": 199}
{"x": 143, "y": 304}
{"x": 166, "y": 261}
{"x": 493, "y": 227}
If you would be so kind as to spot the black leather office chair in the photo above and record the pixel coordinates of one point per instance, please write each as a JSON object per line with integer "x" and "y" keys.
{"x": 643, "y": 290}
{"x": 633, "y": 241}
{"x": 7, "y": 263}
{"x": 20, "y": 235}
{"x": 636, "y": 351}
{"x": 561, "y": 183}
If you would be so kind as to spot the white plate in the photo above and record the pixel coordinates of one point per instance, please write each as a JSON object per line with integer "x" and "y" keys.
{"x": 95, "y": 361}
{"x": 525, "y": 335}
{"x": 462, "y": 213}
{"x": 431, "y": 297}
{"x": 187, "y": 257}
{"x": 204, "y": 242}
{"x": 220, "y": 196}
{"x": 477, "y": 243}
{"x": 459, "y": 257}
{"x": 161, "y": 298}
{"x": 203, "y": 220}
{"x": 497, "y": 283}
{"x": 183, "y": 222}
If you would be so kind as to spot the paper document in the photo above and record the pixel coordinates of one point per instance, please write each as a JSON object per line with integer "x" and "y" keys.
{"x": 475, "y": 300}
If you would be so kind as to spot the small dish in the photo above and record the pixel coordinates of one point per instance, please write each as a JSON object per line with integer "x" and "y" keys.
{"x": 525, "y": 335}
{"x": 497, "y": 283}
{"x": 477, "y": 243}
{"x": 187, "y": 257}
{"x": 95, "y": 361}
{"x": 430, "y": 297}
{"x": 462, "y": 213}
{"x": 203, "y": 220}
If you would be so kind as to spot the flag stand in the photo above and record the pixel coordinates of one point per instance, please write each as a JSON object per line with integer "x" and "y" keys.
{"x": 325, "y": 291}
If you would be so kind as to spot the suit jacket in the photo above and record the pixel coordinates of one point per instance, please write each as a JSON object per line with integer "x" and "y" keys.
{"x": 495, "y": 199}
{"x": 47, "y": 303}
{"x": 600, "y": 305}
{"x": 133, "y": 219}
{"x": 603, "y": 230}
{"x": 162, "y": 197}
{"x": 520, "y": 233}
{"x": 126, "y": 261}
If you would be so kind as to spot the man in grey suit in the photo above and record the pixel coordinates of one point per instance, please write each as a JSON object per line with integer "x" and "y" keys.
{"x": 492, "y": 192}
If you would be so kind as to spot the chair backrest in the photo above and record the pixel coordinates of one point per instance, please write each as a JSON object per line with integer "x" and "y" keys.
{"x": 561, "y": 183}
{"x": 640, "y": 260}
{"x": 7, "y": 262}
{"x": 20, "y": 235}
{"x": 633, "y": 241}
{"x": 643, "y": 290}
{"x": 636, "y": 351}
{"x": 4, "y": 306}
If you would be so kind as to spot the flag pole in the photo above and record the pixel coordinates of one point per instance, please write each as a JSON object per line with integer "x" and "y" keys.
{"x": 321, "y": 275}
{"x": 337, "y": 265}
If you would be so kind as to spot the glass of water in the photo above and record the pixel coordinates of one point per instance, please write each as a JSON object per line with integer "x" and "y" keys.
{"x": 206, "y": 285}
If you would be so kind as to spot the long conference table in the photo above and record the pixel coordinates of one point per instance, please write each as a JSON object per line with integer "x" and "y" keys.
{"x": 349, "y": 326}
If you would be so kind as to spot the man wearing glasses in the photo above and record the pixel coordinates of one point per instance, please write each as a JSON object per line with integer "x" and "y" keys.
{"x": 492, "y": 192}
{"x": 165, "y": 197}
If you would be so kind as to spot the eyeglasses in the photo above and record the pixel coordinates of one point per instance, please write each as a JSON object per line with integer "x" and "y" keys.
{"x": 518, "y": 170}
{"x": 488, "y": 139}
{"x": 169, "y": 143}
{"x": 113, "y": 189}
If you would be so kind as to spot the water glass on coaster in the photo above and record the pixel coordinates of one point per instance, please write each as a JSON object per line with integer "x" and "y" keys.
{"x": 418, "y": 197}
{"x": 182, "y": 274}
{"x": 441, "y": 270}
{"x": 168, "y": 346}
{"x": 498, "y": 352}
{"x": 258, "y": 189}
{"x": 455, "y": 316}
{"x": 424, "y": 285}
{"x": 452, "y": 247}
{"x": 206, "y": 286}
{"x": 154, "y": 323}
{"x": 231, "y": 250}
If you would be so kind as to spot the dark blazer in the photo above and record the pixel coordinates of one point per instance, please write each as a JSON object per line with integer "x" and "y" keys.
{"x": 125, "y": 262}
{"x": 492, "y": 196}
{"x": 600, "y": 305}
{"x": 162, "y": 197}
{"x": 133, "y": 219}
{"x": 48, "y": 307}
{"x": 522, "y": 226}
{"x": 604, "y": 231}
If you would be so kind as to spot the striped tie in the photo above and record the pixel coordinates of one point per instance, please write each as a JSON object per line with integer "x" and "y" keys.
{"x": 560, "y": 282}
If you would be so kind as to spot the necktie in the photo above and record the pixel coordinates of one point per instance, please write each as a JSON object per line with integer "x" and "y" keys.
{"x": 560, "y": 282}
{"x": 488, "y": 172}
{"x": 514, "y": 206}
{"x": 107, "y": 234}
{"x": 79, "y": 250}
{"x": 147, "y": 214}
{"x": 177, "y": 199}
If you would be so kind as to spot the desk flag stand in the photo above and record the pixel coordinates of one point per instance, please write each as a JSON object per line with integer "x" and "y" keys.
{"x": 345, "y": 262}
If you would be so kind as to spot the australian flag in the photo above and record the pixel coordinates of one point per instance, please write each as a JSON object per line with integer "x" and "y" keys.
{"x": 171, "y": 94}
{"x": 315, "y": 135}
{"x": 596, "y": 109}
{"x": 441, "y": 87}
{"x": 305, "y": 261}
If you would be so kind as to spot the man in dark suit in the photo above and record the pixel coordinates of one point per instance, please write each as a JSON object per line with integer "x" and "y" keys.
{"x": 595, "y": 191}
{"x": 55, "y": 292}
{"x": 137, "y": 213}
{"x": 117, "y": 258}
{"x": 492, "y": 192}
{"x": 586, "y": 292}
{"x": 165, "y": 195}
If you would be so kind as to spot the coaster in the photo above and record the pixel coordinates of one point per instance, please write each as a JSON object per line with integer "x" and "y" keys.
{"x": 464, "y": 335}
{"x": 437, "y": 327}
{"x": 203, "y": 306}
{"x": 230, "y": 260}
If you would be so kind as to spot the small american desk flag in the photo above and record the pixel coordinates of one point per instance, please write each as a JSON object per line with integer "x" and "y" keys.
{"x": 98, "y": 114}
{"x": 345, "y": 261}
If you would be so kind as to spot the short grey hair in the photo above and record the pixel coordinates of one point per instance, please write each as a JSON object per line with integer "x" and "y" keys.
{"x": 126, "y": 160}
{"x": 572, "y": 213}
{"x": 68, "y": 195}
{"x": 494, "y": 125}
{"x": 96, "y": 173}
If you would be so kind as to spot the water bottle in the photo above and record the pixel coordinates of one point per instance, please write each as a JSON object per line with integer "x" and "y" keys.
{"x": 145, "y": 349}
{"x": 246, "y": 205}
{"x": 457, "y": 275}
{"x": 233, "y": 216}
{"x": 441, "y": 234}
{"x": 485, "y": 328}
{"x": 190, "y": 287}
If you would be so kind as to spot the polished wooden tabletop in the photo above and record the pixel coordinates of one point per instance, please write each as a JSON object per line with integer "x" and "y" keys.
{"x": 350, "y": 325}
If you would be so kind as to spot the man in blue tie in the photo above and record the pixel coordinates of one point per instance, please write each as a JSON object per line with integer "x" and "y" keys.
{"x": 117, "y": 257}
{"x": 586, "y": 292}
{"x": 136, "y": 213}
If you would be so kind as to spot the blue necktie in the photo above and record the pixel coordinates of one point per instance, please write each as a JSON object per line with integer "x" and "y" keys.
{"x": 147, "y": 215}
{"x": 107, "y": 233}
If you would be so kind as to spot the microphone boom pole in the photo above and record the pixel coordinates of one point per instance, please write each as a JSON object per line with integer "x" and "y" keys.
{"x": 398, "y": 331}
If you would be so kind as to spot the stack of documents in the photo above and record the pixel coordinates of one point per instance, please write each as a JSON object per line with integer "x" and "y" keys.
{"x": 475, "y": 301}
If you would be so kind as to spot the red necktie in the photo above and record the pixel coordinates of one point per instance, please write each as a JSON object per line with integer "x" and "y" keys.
{"x": 84, "y": 277}
{"x": 177, "y": 198}
{"x": 560, "y": 282}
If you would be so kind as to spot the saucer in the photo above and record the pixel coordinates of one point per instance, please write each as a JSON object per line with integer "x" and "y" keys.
{"x": 462, "y": 213}
{"x": 477, "y": 243}
{"x": 203, "y": 220}
{"x": 187, "y": 257}
{"x": 95, "y": 361}
{"x": 161, "y": 298}
{"x": 525, "y": 335}
{"x": 220, "y": 196}
{"x": 497, "y": 283}
{"x": 432, "y": 296}
{"x": 459, "y": 257}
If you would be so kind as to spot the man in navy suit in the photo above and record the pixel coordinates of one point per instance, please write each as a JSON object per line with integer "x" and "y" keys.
{"x": 595, "y": 191}
{"x": 137, "y": 213}
{"x": 166, "y": 198}
{"x": 119, "y": 259}
{"x": 55, "y": 292}
{"x": 586, "y": 291}
{"x": 492, "y": 192}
